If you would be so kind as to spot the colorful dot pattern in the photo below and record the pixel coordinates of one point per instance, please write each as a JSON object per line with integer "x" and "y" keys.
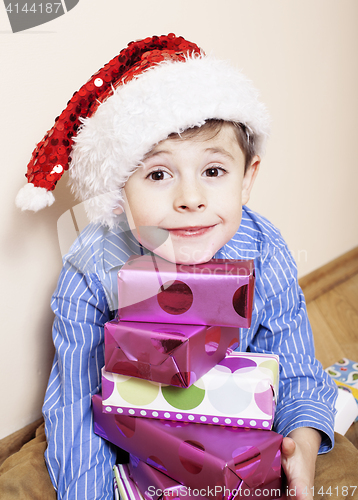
{"x": 346, "y": 371}
{"x": 239, "y": 391}
{"x": 164, "y": 415}
{"x": 177, "y": 298}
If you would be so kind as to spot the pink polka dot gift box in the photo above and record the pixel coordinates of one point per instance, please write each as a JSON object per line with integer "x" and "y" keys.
{"x": 240, "y": 391}
{"x": 219, "y": 292}
{"x": 200, "y": 456}
{"x": 171, "y": 354}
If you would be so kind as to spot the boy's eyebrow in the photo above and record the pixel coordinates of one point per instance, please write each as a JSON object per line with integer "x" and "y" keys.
{"x": 219, "y": 150}
{"x": 150, "y": 154}
{"x": 222, "y": 151}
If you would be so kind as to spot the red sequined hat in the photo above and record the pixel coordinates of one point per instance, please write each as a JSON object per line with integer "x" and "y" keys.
{"x": 154, "y": 87}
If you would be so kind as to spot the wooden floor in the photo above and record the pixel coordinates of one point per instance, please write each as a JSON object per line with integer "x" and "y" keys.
{"x": 334, "y": 318}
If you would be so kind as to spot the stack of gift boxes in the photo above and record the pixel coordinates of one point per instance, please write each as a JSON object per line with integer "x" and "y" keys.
{"x": 194, "y": 414}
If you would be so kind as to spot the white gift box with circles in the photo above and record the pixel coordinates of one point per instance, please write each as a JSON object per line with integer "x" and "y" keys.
{"x": 240, "y": 391}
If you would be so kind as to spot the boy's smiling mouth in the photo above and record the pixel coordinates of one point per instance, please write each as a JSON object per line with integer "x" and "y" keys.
{"x": 190, "y": 231}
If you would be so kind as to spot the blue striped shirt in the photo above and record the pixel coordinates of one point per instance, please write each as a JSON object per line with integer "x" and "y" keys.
{"x": 79, "y": 462}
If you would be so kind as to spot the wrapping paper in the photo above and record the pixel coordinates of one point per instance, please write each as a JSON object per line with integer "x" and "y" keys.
{"x": 219, "y": 292}
{"x": 345, "y": 375}
{"x": 171, "y": 354}
{"x": 154, "y": 485}
{"x": 140, "y": 481}
{"x": 240, "y": 391}
{"x": 115, "y": 489}
{"x": 197, "y": 455}
{"x": 124, "y": 486}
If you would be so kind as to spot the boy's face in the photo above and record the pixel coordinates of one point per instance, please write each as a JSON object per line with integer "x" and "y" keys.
{"x": 188, "y": 196}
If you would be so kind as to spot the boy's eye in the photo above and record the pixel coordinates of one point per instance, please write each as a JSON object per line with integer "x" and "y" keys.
{"x": 214, "y": 172}
{"x": 158, "y": 175}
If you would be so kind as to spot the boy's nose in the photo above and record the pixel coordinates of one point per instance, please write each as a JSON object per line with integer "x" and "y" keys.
{"x": 190, "y": 197}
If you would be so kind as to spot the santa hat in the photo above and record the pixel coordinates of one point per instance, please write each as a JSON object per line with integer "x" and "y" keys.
{"x": 154, "y": 87}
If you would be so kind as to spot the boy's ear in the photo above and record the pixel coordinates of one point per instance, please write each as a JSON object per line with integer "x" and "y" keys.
{"x": 124, "y": 206}
{"x": 118, "y": 210}
{"x": 249, "y": 179}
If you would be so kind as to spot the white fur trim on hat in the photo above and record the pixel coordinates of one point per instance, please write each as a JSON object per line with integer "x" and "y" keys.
{"x": 167, "y": 98}
{"x": 34, "y": 198}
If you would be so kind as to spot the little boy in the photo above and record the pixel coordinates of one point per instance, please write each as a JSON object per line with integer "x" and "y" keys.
{"x": 165, "y": 145}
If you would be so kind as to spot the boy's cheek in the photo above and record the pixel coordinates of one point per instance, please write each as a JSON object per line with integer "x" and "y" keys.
{"x": 153, "y": 237}
{"x": 132, "y": 217}
{"x": 142, "y": 209}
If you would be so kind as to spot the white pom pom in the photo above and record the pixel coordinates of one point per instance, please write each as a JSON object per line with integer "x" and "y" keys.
{"x": 33, "y": 198}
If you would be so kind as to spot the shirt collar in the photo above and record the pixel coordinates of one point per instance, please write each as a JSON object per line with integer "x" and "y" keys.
{"x": 118, "y": 245}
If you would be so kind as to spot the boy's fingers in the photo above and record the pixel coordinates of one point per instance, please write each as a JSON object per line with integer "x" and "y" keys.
{"x": 288, "y": 447}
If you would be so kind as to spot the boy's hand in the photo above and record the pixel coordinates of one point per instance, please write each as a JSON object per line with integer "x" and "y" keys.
{"x": 299, "y": 453}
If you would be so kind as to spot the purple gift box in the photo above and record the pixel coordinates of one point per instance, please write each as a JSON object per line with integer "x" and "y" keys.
{"x": 197, "y": 455}
{"x": 240, "y": 391}
{"x": 220, "y": 292}
{"x": 154, "y": 485}
{"x": 171, "y": 354}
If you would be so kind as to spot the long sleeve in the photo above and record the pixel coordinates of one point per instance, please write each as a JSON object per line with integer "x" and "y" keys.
{"x": 79, "y": 462}
{"x": 306, "y": 393}
{"x": 280, "y": 325}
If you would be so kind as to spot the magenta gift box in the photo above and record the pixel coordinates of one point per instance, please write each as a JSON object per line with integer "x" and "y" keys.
{"x": 197, "y": 455}
{"x": 171, "y": 354}
{"x": 154, "y": 485}
{"x": 240, "y": 391}
{"x": 220, "y": 292}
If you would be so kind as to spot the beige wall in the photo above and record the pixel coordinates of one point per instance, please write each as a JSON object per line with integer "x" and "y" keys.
{"x": 301, "y": 54}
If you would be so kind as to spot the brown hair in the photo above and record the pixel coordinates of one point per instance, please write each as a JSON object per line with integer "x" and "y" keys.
{"x": 211, "y": 128}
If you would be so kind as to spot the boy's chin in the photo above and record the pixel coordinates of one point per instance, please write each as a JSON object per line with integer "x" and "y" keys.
{"x": 187, "y": 257}
{"x": 198, "y": 250}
